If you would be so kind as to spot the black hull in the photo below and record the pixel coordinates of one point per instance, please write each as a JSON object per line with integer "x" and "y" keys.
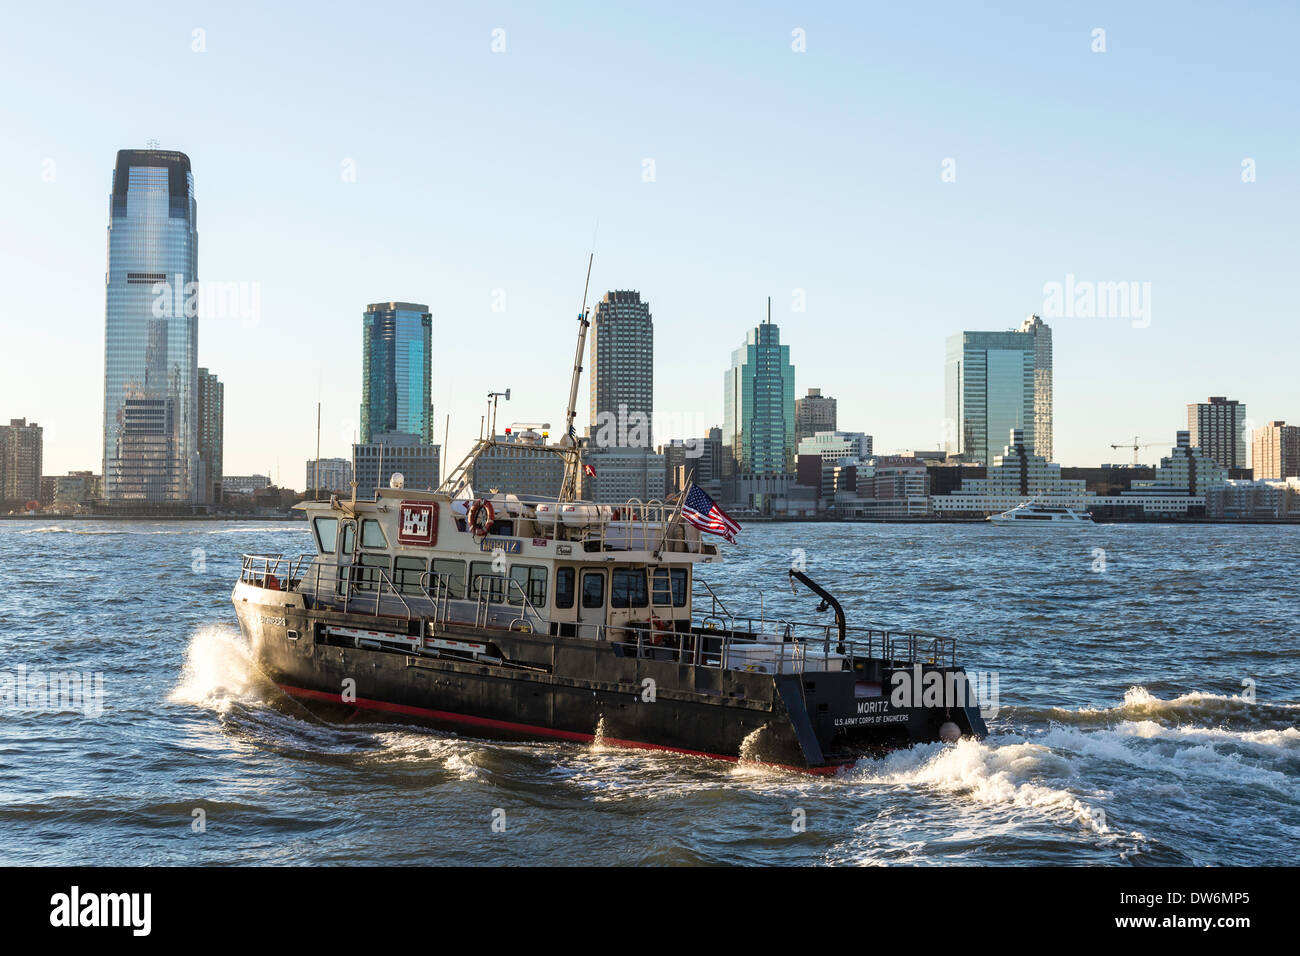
{"x": 580, "y": 690}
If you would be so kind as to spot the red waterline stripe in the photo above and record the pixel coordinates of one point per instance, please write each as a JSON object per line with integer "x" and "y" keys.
{"x": 569, "y": 735}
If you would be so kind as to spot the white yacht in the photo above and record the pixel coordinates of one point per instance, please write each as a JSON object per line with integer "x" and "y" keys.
{"x": 1034, "y": 511}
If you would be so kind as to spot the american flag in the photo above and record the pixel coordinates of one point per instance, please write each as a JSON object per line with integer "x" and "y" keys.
{"x": 589, "y": 471}
{"x": 701, "y": 510}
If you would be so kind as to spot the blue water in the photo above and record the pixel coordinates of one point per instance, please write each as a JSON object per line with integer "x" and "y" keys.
{"x": 1148, "y": 693}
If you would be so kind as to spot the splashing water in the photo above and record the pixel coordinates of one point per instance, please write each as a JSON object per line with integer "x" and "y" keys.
{"x": 219, "y": 671}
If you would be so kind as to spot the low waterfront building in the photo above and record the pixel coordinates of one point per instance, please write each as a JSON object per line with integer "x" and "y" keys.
{"x": 1260, "y": 499}
{"x": 388, "y": 453}
{"x": 516, "y": 466}
{"x": 1015, "y": 476}
{"x": 622, "y": 474}
{"x": 244, "y": 484}
{"x": 329, "y": 475}
{"x": 76, "y": 488}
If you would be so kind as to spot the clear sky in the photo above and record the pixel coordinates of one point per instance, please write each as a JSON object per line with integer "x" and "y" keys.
{"x": 482, "y": 178}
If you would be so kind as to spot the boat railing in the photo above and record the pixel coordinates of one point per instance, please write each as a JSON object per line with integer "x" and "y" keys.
{"x": 501, "y": 588}
{"x": 275, "y": 572}
{"x": 792, "y": 642}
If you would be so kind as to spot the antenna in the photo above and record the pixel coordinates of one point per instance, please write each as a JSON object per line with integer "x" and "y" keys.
{"x": 492, "y": 410}
{"x": 152, "y": 144}
{"x": 769, "y": 310}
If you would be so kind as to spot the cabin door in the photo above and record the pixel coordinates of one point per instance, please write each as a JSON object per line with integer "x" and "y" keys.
{"x": 591, "y": 605}
{"x": 345, "y": 548}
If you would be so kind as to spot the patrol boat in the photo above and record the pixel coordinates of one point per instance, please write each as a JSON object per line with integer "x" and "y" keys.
{"x": 577, "y": 621}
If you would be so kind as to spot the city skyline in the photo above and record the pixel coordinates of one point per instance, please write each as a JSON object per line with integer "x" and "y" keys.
{"x": 506, "y": 255}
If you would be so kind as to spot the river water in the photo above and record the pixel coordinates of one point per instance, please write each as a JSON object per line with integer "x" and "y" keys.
{"x": 1148, "y": 706}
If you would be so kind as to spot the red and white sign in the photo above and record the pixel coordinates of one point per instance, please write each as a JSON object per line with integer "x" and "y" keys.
{"x": 419, "y": 523}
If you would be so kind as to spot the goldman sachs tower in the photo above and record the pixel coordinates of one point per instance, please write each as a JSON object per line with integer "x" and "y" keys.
{"x": 151, "y": 422}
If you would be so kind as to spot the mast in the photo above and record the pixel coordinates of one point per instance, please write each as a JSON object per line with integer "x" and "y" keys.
{"x": 569, "y": 440}
{"x": 567, "y": 447}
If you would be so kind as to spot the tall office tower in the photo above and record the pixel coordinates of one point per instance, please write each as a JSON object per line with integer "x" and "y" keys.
{"x": 758, "y": 405}
{"x": 812, "y": 414}
{"x": 21, "y": 452}
{"x": 151, "y": 429}
{"x": 622, "y": 371}
{"x": 396, "y": 371}
{"x": 1042, "y": 334}
{"x": 992, "y": 384}
{"x": 1276, "y": 451}
{"x": 212, "y": 414}
{"x": 1217, "y": 427}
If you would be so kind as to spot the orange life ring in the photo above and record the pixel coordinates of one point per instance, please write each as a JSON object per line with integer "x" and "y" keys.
{"x": 480, "y": 509}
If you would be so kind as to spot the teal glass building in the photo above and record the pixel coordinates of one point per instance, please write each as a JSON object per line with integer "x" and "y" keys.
{"x": 396, "y": 371}
{"x": 758, "y": 405}
{"x": 994, "y": 382}
{"x": 150, "y": 421}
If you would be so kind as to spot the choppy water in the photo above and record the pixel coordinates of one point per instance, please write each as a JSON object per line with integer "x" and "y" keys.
{"x": 1126, "y": 735}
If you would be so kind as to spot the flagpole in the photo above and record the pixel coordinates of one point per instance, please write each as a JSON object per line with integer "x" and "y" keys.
{"x": 677, "y": 513}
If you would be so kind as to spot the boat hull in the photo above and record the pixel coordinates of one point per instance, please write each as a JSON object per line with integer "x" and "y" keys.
{"x": 582, "y": 691}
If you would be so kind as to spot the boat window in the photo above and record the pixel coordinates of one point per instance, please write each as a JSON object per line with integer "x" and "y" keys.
{"x": 349, "y": 537}
{"x": 660, "y": 588}
{"x": 627, "y": 589}
{"x": 483, "y": 580}
{"x": 593, "y": 590}
{"x": 366, "y": 572}
{"x": 372, "y": 536}
{"x": 327, "y": 532}
{"x": 407, "y": 572}
{"x": 681, "y": 587}
{"x": 452, "y": 574}
{"x": 564, "y": 587}
{"x": 531, "y": 579}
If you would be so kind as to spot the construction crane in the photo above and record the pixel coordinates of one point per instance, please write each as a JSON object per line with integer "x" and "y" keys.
{"x": 1135, "y": 445}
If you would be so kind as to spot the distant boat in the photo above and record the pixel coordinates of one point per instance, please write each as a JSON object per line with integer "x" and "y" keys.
{"x": 1034, "y": 511}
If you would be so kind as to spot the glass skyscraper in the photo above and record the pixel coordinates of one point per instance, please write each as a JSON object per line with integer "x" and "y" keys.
{"x": 396, "y": 371}
{"x": 758, "y": 405}
{"x": 151, "y": 453}
{"x": 995, "y": 382}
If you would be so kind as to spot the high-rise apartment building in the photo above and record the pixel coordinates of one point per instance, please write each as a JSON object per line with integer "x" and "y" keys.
{"x": 396, "y": 399}
{"x": 995, "y": 382}
{"x": 812, "y": 414}
{"x": 758, "y": 405}
{"x": 1217, "y": 426}
{"x": 21, "y": 453}
{"x": 396, "y": 370}
{"x": 211, "y": 414}
{"x": 622, "y": 371}
{"x": 1275, "y": 451}
{"x": 151, "y": 429}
